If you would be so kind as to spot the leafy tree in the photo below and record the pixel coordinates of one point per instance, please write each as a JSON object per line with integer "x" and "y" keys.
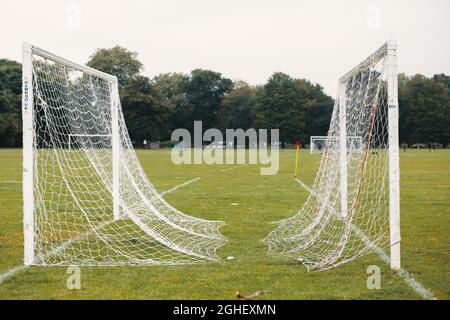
{"x": 204, "y": 91}
{"x": 237, "y": 106}
{"x": 10, "y": 103}
{"x": 145, "y": 105}
{"x": 279, "y": 107}
{"x": 170, "y": 88}
{"x": 299, "y": 108}
{"x": 318, "y": 115}
{"x": 117, "y": 61}
{"x": 424, "y": 109}
{"x": 146, "y": 115}
{"x": 287, "y": 104}
{"x": 444, "y": 79}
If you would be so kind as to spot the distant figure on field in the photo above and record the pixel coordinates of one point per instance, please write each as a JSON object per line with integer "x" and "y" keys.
{"x": 404, "y": 146}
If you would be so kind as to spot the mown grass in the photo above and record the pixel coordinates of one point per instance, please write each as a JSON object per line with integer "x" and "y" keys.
{"x": 246, "y": 201}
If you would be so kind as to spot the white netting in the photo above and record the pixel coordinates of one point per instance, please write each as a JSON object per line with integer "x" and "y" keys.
{"x": 318, "y": 143}
{"x": 320, "y": 235}
{"x": 73, "y": 182}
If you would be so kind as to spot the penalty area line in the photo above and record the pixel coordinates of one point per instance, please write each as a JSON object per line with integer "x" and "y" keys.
{"x": 11, "y": 272}
{"x": 179, "y": 186}
{"x": 14, "y": 270}
{"x": 405, "y": 275}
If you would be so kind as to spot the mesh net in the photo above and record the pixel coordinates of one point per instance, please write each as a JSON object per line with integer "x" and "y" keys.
{"x": 320, "y": 235}
{"x": 354, "y": 144}
{"x": 73, "y": 181}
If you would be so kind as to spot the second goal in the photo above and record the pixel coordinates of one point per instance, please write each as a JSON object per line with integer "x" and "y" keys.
{"x": 353, "y": 208}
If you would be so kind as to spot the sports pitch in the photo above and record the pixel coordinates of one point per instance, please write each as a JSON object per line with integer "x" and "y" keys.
{"x": 247, "y": 202}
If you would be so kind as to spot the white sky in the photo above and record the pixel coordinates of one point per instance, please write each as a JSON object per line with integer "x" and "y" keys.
{"x": 243, "y": 39}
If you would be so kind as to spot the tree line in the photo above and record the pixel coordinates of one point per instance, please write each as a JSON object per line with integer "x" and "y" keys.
{"x": 154, "y": 107}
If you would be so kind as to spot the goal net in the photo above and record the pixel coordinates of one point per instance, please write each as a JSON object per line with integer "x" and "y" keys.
{"x": 87, "y": 200}
{"x": 353, "y": 207}
{"x": 317, "y": 144}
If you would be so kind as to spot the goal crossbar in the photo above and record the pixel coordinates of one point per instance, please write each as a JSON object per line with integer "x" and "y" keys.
{"x": 374, "y": 57}
{"x": 55, "y": 58}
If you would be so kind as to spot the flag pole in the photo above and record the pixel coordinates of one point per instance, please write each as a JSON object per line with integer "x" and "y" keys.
{"x": 297, "y": 143}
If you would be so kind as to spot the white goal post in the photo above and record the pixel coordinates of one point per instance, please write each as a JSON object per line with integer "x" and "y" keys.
{"x": 354, "y": 206}
{"x": 87, "y": 200}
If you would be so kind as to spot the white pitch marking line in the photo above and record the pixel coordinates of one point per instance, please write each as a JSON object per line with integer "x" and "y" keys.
{"x": 11, "y": 181}
{"x": 407, "y": 277}
{"x": 11, "y": 272}
{"x": 179, "y": 186}
{"x": 232, "y": 168}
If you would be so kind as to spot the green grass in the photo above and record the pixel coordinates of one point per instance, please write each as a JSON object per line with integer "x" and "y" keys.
{"x": 425, "y": 223}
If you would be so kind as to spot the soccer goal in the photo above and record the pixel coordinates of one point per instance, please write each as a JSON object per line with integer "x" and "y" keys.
{"x": 353, "y": 208}
{"x": 87, "y": 200}
{"x": 317, "y": 144}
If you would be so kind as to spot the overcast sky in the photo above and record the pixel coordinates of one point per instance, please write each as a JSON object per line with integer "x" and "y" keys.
{"x": 243, "y": 39}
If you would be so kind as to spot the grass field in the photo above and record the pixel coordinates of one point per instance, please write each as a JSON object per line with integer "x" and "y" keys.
{"x": 246, "y": 201}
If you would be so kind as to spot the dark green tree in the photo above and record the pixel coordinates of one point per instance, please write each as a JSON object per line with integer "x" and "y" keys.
{"x": 146, "y": 106}
{"x": 237, "y": 106}
{"x": 289, "y": 104}
{"x": 280, "y": 106}
{"x": 424, "y": 110}
{"x": 170, "y": 88}
{"x": 318, "y": 115}
{"x": 117, "y": 61}
{"x": 444, "y": 79}
{"x": 204, "y": 91}
{"x": 10, "y": 103}
{"x": 146, "y": 115}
